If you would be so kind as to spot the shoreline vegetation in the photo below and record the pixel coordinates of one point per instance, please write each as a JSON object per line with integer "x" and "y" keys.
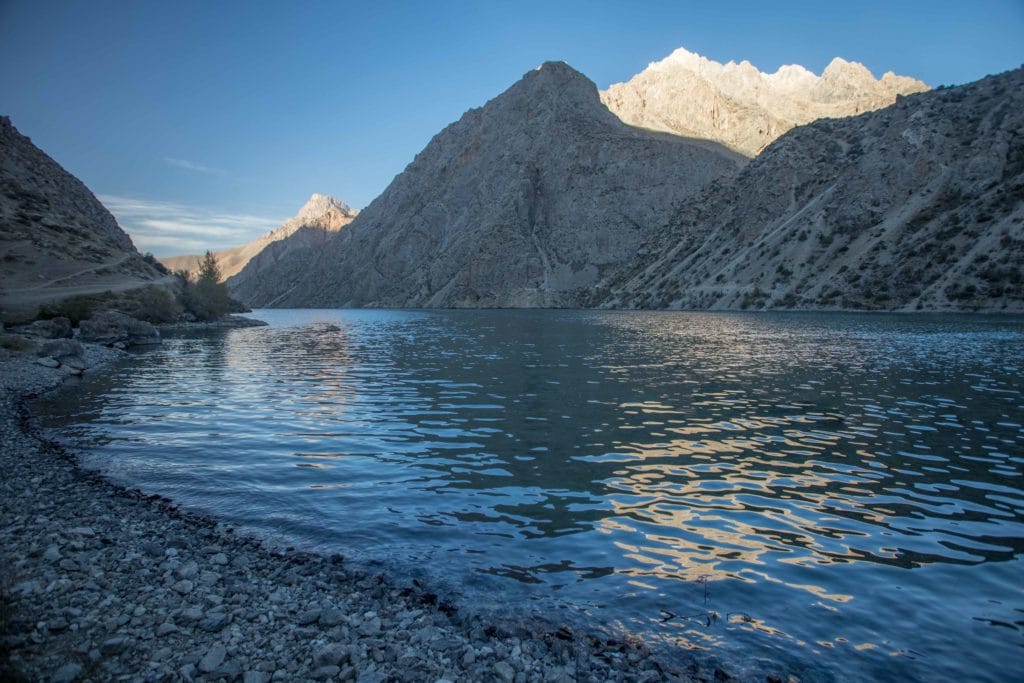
{"x": 103, "y": 582}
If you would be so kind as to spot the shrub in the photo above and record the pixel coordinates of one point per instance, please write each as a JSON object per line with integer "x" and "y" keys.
{"x": 151, "y": 260}
{"x": 76, "y": 308}
{"x": 152, "y": 304}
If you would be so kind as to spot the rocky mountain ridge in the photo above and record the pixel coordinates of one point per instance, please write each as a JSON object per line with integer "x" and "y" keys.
{"x": 739, "y": 106}
{"x": 320, "y": 214}
{"x": 526, "y": 201}
{"x": 56, "y": 239}
{"x": 919, "y": 206}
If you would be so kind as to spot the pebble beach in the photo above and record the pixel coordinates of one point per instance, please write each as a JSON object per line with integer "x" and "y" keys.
{"x": 101, "y": 582}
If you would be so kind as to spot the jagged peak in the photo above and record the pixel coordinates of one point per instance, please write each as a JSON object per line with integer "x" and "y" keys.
{"x": 556, "y": 83}
{"x": 318, "y": 204}
{"x": 787, "y": 74}
{"x": 840, "y": 68}
{"x": 556, "y": 73}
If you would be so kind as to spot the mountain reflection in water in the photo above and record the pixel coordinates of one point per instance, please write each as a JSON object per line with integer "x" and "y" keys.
{"x": 842, "y": 492}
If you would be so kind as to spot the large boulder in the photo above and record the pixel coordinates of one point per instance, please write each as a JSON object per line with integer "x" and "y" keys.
{"x": 54, "y": 328}
{"x": 66, "y": 353}
{"x": 113, "y": 327}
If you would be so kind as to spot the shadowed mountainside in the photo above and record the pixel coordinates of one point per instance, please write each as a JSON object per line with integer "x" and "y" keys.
{"x": 56, "y": 239}
{"x": 918, "y": 206}
{"x": 526, "y": 201}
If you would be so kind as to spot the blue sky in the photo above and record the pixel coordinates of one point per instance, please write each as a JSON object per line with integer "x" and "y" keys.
{"x": 207, "y": 123}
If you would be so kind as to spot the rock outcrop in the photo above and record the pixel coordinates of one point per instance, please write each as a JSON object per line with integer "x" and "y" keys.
{"x": 113, "y": 328}
{"x": 320, "y": 215}
{"x": 742, "y": 108}
{"x": 56, "y": 239}
{"x": 919, "y": 206}
{"x": 297, "y": 240}
{"x": 526, "y": 201}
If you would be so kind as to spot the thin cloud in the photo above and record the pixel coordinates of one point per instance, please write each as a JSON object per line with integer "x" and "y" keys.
{"x": 169, "y": 228}
{"x": 193, "y": 166}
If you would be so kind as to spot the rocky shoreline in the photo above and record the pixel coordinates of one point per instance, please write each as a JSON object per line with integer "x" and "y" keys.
{"x": 106, "y": 583}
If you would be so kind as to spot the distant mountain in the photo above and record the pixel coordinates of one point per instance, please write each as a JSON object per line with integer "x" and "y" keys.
{"x": 298, "y": 240}
{"x": 321, "y": 212}
{"x": 919, "y": 206}
{"x": 742, "y": 108}
{"x": 56, "y": 239}
{"x": 527, "y": 201}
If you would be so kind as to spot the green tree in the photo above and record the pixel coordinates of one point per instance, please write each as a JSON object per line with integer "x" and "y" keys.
{"x": 206, "y": 297}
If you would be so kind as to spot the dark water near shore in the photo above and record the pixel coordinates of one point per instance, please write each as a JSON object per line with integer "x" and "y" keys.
{"x": 839, "y": 492}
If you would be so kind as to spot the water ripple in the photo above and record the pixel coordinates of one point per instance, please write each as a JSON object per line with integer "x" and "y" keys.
{"x": 842, "y": 492}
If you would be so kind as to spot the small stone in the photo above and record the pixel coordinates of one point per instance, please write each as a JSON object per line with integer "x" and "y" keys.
{"x": 372, "y": 677}
{"x": 370, "y": 627}
{"x": 213, "y": 658}
{"x": 308, "y": 617}
{"x": 331, "y": 617}
{"x": 255, "y": 677}
{"x": 52, "y": 554}
{"x": 187, "y": 571}
{"x": 219, "y": 558}
{"x": 184, "y": 586}
{"x": 152, "y": 549}
{"x": 86, "y": 531}
{"x": 332, "y": 654}
{"x": 166, "y": 629}
{"x": 114, "y": 646}
{"x": 67, "y": 673}
{"x": 192, "y": 614}
{"x": 505, "y": 672}
{"x": 48, "y": 362}
{"x": 214, "y": 621}
{"x": 230, "y": 670}
{"x": 326, "y": 672}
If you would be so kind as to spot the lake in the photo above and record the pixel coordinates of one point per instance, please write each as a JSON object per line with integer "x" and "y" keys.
{"x": 842, "y": 493}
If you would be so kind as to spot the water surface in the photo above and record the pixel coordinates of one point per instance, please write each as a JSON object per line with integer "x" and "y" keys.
{"x": 842, "y": 493}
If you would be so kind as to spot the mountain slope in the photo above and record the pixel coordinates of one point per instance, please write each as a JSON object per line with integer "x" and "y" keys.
{"x": 917, "y": 206}
{"x": 296, "y": 239}
{"x": 742, "y": 108}
{"x": 526, "y": 201}
{"x": 322, "y": 213}
{"x": 56, "y": 239}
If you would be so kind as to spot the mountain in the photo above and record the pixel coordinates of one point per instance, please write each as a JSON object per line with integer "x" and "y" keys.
{"x": 919, "y": 206}
{"x": 297, "y": 239}
{"x": 320, "y": 214}
{"x": 742, "y": 108}
{"x": 56, "y": 239}
{"x": 526, "y": 201}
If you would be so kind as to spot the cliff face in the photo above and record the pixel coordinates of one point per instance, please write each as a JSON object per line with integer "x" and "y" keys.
{"x": 321, "y": 214}
{"x": 917, "y": 206}
{"x": 56, "y": 239}
{"x": 742, "y": 108}
{"x": 526, "y": 201}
